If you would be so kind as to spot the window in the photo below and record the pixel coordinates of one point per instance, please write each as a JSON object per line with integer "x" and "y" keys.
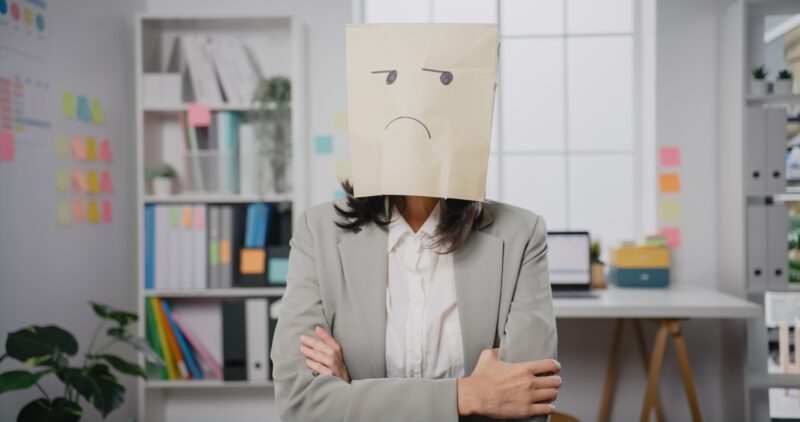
{"x": 567, "y": 140}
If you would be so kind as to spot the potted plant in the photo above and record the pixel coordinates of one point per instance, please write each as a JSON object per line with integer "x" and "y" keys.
{"x": 272, "y": 118}
{"x": 161, "y": 177}
{"x": 758, "y": 85}
{"x": 598, "y": 279}
{"x": 48, "y": 350}
{"x": 784, "y": 83}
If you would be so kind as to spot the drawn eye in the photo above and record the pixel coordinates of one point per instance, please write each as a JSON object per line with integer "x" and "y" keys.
{"x": 445, "y": 77}
{"x": 391, "y": 75}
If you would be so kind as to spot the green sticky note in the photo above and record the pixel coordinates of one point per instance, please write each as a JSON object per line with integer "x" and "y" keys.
{"x": 68, "y": 104}
{"x": 96, "y": 111}
{"x": 173, "y": 217}
{"x": 213, "y": 253}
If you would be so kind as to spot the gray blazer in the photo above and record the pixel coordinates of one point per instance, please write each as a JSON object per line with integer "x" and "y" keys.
{"x": 337, "y": 279}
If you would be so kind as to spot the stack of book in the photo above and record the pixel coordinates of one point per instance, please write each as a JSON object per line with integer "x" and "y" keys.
{"x": 219, "y": 69}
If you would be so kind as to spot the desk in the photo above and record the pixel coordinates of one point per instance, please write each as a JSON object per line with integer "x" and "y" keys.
{"x": 667, "y": 307}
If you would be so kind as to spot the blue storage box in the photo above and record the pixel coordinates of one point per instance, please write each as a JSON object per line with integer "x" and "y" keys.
{"x": 638, "y": 277}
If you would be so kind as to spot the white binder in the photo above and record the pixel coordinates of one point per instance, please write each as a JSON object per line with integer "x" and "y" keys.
{"x": 775, "y": 146}
{"x": 777, "y": 248}
{"x": 756, "y": 246}
{"x": 257, "y": 338}
{"x": 755, "y": 151}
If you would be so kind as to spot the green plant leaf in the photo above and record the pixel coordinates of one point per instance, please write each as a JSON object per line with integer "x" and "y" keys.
{"x": 19, "y": 380}
{"x": 123, "y": 365}
{"x": 137, "y": 343}
{"x": 97, "y": 385}
{"x": 41, "y": 345}
{"x": 43, "y": 410}
{"x": 122, "y": 318}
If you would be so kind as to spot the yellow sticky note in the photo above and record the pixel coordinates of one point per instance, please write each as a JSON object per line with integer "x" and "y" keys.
{"x": 669, "y": 210}
{"x": 669, "y": 182}
{"x": 62, "y": 180}
{"x": 62, "y": 146}
{"x": 64, "y": 214}
{"x": 68, "y": 104}
{"x": 93, "y": 212}
{"x": 91, "y": 149}
{"x": 343, "y": 170}
{"x": 94, "y": 182}
{"x": 339, "y": 120}
{"x": 96, "y": 111}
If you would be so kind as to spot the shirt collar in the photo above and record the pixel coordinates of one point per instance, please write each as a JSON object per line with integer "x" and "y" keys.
{"x": 398, "y": 227}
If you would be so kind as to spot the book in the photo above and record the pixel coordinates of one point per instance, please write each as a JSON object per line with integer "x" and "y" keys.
{"x": 186, "y": 235}
{"x": 248, "y": 160}
{"x": 172, "y": 342}
{"x": 228, "y": 76}
{"x": 202, "y": 352}
{"x": 149, "y": 246}
{"x": 153, "y": 337}
{"x": 234, "y": 348}
{"x": 213, "y": 246}
{"x": 193, "y": 149}
{"x": 201, "y": 70}
{"x": 199, "y": 245}
{"x": 161, "y": 246}
{"x": 172, "y": 251}
{"x": 172, "y": 370}
{"x": 227, "y": 131}
{"x": 225, "y": 247}
{"x": 191, "y": 364}
{"x": 256, "y": 324}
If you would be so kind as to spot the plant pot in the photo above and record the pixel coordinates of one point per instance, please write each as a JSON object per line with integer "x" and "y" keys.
{"x": 758, "y": 87}
{"x": 598, "y": 275}
{"x": 162, "y": 186}
{"x": 783, "y": 87}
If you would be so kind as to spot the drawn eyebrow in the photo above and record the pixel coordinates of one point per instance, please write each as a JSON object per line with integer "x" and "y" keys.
{"x": 433, "y": 70}
{"x": 382, "y": 71}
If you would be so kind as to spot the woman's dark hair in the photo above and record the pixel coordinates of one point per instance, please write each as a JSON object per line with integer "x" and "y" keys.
{"x": 458, "y": 217}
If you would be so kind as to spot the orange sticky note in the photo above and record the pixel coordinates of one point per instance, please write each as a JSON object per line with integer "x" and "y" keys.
{"x": 105, "y": 150}
{"x": 106, "y": 210}
{"x": 105, "y": 182}
{"x": 78, "y": 210}
{"x": 79, "y": 183}
{"x": 94, "y": 182}
{"x": 669, "y": 182}
{"x": 78, "y": 148}
{"x": 199, "y": 115}
{"x": 91, "y": 149}
{"x": 187, "y": 217}
{"x": 224, "y": 251}
{"x": 253, "y": 261}
{"x": 673, "y": 236}
{"x": 93, "y": 212}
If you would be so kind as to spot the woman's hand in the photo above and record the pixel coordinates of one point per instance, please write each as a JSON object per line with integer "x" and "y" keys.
{"x": 503, "y": 390}
{"x": 324, "y": 355}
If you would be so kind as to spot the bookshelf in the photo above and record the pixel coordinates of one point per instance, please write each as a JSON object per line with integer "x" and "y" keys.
{"x": 277, "y": 46}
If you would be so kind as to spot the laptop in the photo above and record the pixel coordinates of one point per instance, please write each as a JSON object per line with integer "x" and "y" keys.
{"x": 569, "y": 264}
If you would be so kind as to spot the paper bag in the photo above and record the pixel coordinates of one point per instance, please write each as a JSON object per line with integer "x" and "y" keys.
{"x": 420, "y": 101}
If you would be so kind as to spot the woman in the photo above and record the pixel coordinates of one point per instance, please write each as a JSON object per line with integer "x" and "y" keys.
{"x": 396, "y": 305}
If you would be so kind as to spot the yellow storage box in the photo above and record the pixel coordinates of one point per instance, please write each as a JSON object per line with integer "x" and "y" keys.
{"x": 640, "y": 257}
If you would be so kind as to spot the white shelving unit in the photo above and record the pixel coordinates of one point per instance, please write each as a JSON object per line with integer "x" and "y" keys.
{"x": 277, "y": 44}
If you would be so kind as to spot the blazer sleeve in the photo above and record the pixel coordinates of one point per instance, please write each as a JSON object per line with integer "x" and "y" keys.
{"x": 300, "y": 396}
{"x": 530, "y": 331}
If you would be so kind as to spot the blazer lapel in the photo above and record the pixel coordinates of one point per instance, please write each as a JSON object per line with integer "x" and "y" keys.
{"x": 365, "y": 265}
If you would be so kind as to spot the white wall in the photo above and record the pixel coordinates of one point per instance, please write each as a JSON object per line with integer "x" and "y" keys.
{"x": 48, "y": 274}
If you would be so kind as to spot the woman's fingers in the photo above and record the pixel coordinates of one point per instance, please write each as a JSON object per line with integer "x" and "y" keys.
{"x": 328, "y": 339}
{"x": 318, "y": 367}
{"x": 318, "y": 356}
{"x": 317, "y": 344}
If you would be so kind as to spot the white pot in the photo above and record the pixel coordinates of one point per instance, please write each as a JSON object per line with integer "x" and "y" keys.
{"x": 783, "y": 87}
{"x": 758, "y": 87}
{"x": 162, "y": 186}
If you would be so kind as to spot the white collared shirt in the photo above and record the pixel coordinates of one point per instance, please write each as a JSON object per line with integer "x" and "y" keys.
{"x": 423, "y": 333}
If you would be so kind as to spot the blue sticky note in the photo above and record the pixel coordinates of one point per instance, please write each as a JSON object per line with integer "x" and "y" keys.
{"x": 323, "y": 145}
{"x": 277, "y": 269}
{"x": 84, "y": 113}
{"x": 339, "y": 194}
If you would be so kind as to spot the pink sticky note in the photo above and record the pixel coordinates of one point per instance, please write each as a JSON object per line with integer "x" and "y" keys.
{"x": 78, "y": 210}
{"x": 199, "y": 218}
{"x": 79, "y": 182}
{"x": 78, "y": 148}
{"x": 105, "y": 182}
{"x": 105, "y": 151}
{"x": 673, "y": 235}
{"x": 670, "y": 156}
{"x": 106, "y": 211}
{"x": 199, "y": 115}
{"x": 6, "y": 145}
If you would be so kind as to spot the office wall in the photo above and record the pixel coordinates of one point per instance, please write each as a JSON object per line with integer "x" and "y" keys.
{"x": 47, "y": 273}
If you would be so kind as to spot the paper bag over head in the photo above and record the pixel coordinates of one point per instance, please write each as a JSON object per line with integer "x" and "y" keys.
{"x": 420, "y": 102}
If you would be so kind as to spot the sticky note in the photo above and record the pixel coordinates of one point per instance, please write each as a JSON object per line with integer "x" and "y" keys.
{"x": 669, "y": 210}
{"x": 277, "y": 270}
{"x": 93, "y": 214}
{"x": 199, "y": 115}
{"x": 62, "y": 180}
{"x": 78, "y": 148}
{"x": 669, "y": 182}
{"x": 94, "y": 182}
{"x": 339, "y": 194}
{"x": 79, "y": 183}
{"x": 224, "y": 251}
{"x": 670, "y": 156}
{"x": 64, "y": 214}
{"x": 673, "y": 235}
{"x": 339, "y": 120}
{"x": 105, "y": 182}
{"x": 84, "y": 114}
{"x": 6, "y": 145}
{"x": 105, "y": 150}
{"x": 96, "y": 111}
{"x": 106, "y": 210}
{"x": 68, "y": 104}
{"x": 343, "y": 170}
{"x": 62, "y": 146}
{"x": 187, "y": 218}
{"x": 253, "y": 261}
{"x": 91, "y": 149}
{"x": 78, "y": 210}
{"x": 323, "y": 145}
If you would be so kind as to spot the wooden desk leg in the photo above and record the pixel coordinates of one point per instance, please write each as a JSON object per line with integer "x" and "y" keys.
{"x": 655, "y": 369}
{"x": 686, "y": 372}
{"x": 637, "y": 325}
{"x": 611, "y": 372}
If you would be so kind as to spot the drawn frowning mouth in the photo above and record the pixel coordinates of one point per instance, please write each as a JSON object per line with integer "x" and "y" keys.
{"x": 412, "y": 118}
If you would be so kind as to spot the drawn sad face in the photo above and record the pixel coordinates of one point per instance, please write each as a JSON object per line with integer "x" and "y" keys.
{"x": 420, "y": 100}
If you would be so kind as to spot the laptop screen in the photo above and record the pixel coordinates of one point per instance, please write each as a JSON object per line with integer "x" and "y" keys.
{"x": 568, "y": 258}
